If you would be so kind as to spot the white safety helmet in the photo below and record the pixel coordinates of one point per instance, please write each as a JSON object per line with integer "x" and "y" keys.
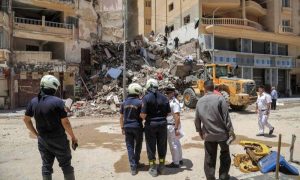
{"x": 49, "y": 82}
{"x": 151, "y": 83}
{"x": 135, "y": 89}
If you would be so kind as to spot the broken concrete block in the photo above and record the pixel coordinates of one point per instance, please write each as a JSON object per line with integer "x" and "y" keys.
{"x": 116, "y": 99}
{"x": 107, "y": 53}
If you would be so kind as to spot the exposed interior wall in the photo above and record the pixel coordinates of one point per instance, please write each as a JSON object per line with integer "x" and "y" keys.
{"x": 111, "y": 18}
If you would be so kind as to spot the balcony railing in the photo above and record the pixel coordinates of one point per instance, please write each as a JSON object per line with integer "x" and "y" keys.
{"x": 232, "y": 21}
{"x": 286, "y": 29}
{"x": 43, "y": 26}
{"x": 40, "y": 22}
{"x": 33, "y": 56}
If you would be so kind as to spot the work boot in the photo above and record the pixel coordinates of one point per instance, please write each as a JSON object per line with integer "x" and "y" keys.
{"x": 153, "y": 169}
{"x": 47, "y": 177}
{"x": 271, "y": 131}
{"x": 161, "y": 166}
{"x": 133, "y": 171}
{"x": 70, "y": 176}
{"x": 172, "y": 165}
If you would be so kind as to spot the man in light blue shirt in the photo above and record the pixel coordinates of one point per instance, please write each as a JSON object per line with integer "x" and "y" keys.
{"x": 274, "y": 96}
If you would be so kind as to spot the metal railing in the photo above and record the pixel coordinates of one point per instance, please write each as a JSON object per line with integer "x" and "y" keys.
{"x": 58, "y": 25}
{"x": 232, "y": 21}
{"x": 28, "y": 21}
{"x": 288, "y": 29}
{"x": 40, "y": 22}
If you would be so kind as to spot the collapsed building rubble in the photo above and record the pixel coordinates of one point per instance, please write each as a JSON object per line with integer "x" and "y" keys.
{"x": 101, "y": 92}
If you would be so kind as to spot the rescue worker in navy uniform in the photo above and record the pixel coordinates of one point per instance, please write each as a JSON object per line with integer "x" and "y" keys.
{"x": 132, "y": 125}
{"x": 155, "y": 109}
{"x": 51, "y": 124}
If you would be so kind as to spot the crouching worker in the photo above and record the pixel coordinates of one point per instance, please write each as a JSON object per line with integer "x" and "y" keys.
{"x": 51, "y": 123}
{"x": 132, "y": 126}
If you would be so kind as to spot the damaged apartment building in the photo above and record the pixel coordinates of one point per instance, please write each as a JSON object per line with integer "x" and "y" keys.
{"x": 39, "y": 37}
{"x": 261, "y": 37}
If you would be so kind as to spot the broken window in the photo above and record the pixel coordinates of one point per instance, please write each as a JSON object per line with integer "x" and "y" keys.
{"x": 148, "y": 21}
{"x": 186, "y": 19}
{"x": 148, "y": 3}
{"x": 171, "y": 7}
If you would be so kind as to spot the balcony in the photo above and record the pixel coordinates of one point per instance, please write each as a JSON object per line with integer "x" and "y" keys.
{"x": 4, "y": 19}
{"x": 233, "y": 22}
{"x": 33, "y": 26}
{"x": 288, "y": 30}
{"x": 255, "y": 8}
{"x": 36, "y": 57}
{"x": 4, "y": 55}
{"x": 286, "y": 10}
{"x": 225, "y": 4}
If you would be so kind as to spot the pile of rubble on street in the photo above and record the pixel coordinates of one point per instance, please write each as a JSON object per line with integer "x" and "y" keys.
{"x": 101, "y": 93}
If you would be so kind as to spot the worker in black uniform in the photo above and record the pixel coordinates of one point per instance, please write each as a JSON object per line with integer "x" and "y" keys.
{"x": 155, "y": 109}
{"x": 132, "y": 125}
{"x": 51, "y": 124}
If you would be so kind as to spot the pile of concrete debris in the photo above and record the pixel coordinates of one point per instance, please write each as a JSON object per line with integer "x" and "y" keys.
{"x": 145, "y": 59}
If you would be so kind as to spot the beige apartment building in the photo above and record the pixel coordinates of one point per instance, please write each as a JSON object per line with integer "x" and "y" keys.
{"x": 262, "y": 37}
{"x": 39, "y": 37}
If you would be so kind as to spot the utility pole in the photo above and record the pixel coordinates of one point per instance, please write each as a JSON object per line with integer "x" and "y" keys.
{"x": 124, "y": 47}
{"x": 10, "y": 64}
{"x": 213, "y": 56}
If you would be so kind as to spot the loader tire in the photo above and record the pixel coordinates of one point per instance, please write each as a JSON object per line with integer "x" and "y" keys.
{"x": 238, "y": 108}
{"x": 189, "y": 97}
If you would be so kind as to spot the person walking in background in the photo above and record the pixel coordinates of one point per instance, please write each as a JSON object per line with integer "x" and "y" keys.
{"x": 176, "y": 41}
{"x": 274, "y": 96}
{"x": 132, "y": 126}
{"x": 263, "y": 106}
{"x": 214, "y": 126}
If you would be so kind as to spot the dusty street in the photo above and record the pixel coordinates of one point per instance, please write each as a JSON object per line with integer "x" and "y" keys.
{"x": 102, "y": 154}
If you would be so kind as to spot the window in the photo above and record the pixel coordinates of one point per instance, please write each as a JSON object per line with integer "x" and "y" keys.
{"x": 171, "y": 28}
{"x": 4, "y": 5}
{"x": 186, "y": 19}
{"x": 148, "y": 21}
{"x": 286, "y": 23}
{"x": 171, "y": 7}
{"x": 148, "y": 3}
{"x": 246, "y": 45}
{"x": 73, "y": 20}
{"x": 282, "y": 49}
{"x": 286, "y": 3}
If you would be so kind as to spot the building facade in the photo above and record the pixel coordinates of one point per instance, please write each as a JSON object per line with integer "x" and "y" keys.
{"x": 262, "y": 37}
{"x": 39, "y": 37}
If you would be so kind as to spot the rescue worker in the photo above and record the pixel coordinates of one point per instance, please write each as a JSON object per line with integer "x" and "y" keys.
{"x": 132, "y": 125}
{"x": 214, "y": 126}
{"x": 174, "y": 126}
{"x": 51, "y": 124}
{"x": 263, "y": 106}
{"x": 155, "y": 108}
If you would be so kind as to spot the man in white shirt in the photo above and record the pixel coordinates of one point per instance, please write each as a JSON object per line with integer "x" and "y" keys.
{"x": 263, "y": 106}
{"x": 173, "y": 129}
{"x": 274, "y": 96}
